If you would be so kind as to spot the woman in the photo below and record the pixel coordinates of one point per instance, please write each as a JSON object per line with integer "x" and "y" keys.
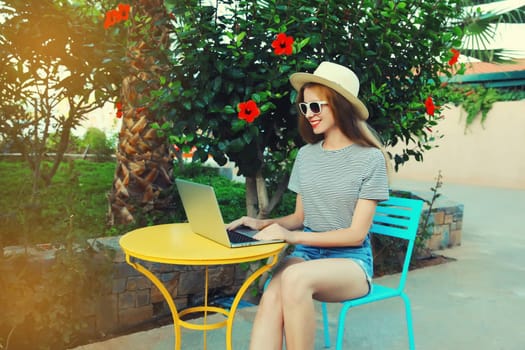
{"x": 338, "y": 176}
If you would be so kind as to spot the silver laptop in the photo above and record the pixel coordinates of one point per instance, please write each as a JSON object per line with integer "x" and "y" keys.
{"x": 205, "y": 218}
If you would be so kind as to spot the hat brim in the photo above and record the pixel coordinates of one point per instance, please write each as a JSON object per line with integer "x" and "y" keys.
{"x": 299, "y": 79}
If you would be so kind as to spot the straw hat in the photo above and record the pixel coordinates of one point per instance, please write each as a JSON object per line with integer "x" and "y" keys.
{"x": 337, "y": 77}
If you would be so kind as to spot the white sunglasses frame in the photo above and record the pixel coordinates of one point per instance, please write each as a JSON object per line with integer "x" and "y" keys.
{"x": 308, "y": 108}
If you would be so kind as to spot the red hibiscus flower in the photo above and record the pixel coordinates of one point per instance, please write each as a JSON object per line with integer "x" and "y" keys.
{"x": 429, "y": 104}
{"x": 112, "y": 18}
{"x": 118, "y": 105}
{"x": 124, "y": 11}
{"x": 283, "y": 45}
{"x": 248, "y": 111}
{"x": 455, "y": 56}
{"x": 115, "y": 16}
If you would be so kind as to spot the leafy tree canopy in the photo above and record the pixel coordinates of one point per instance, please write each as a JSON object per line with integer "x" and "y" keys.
{"x": 56, "y": 67}
{"x": 223, "y": 56}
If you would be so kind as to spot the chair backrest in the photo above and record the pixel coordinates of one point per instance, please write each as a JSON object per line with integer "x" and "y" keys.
{"x": 399, "y": 217}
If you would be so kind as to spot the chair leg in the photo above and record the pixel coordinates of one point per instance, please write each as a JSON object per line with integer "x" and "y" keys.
{"x": 341, "y": 326}
{"x": 325, "y": 326}
{"x": 408, "y": 313}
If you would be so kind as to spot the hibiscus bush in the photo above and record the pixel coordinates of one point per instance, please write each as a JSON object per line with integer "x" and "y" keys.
{"x": 229, "y": 96}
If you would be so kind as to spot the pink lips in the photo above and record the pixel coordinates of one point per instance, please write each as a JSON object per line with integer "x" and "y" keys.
{"x": 314, "y": 123}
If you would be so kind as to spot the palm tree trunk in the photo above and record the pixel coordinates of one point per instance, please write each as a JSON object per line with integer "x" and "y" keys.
{"x": 144, "y": 166}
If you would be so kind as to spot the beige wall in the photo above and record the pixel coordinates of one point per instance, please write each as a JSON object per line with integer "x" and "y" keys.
{"x": 488, "y": 155}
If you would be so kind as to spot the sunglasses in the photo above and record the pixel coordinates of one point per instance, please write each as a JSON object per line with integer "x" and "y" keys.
{"x": 314, "y": 107}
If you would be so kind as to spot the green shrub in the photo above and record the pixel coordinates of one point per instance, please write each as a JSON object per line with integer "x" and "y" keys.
{"x": 231, "y": 195}
{"x": 45, "y": 304}
{"x": 97, "y": 143}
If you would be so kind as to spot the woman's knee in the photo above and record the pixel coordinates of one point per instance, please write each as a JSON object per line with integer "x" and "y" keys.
{"x": 294, "y": 285}
{"x": 290, "y": 275}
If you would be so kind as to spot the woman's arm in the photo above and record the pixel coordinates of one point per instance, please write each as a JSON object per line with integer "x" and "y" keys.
{"x": 293, "y": 221}
{"x": 351, "y": 236}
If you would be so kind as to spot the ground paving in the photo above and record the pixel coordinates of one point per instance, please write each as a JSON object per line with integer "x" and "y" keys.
{"x": 476, "y": 302}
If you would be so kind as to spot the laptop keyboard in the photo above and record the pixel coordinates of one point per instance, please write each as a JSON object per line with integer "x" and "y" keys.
{"x": 236, "y": 237}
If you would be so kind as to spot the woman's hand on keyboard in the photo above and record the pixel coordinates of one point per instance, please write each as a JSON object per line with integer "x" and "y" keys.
{"x": 250, "y": 222}
{"x": 274, "y": 231}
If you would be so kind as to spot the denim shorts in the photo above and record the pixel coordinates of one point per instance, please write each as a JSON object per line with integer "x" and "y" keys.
{"x": 361, "y": 255}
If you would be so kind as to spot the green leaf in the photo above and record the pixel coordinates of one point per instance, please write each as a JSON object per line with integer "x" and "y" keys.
{"x": 310, "y": 19}
{"x": 254, "y": 130}
{"x": 284, "y": 68}
{"x": 239, "y": 38}
{"x": 238, "y": 125}
{"x": 247, "y": 137}
{"x": 303, "y": 43}
{"x": 266, "y": 107}
{"x": 217, "y": 82}
{"x": 229, "y": 109}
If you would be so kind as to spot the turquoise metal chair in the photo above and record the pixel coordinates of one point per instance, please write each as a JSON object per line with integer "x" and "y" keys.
{"x": 397, "y": 217}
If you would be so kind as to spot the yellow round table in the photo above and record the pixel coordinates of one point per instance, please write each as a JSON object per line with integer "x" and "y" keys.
{"x": 177, "y": 244}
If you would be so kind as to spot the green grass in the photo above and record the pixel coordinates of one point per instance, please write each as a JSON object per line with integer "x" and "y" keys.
{"x": 77, "y": 195}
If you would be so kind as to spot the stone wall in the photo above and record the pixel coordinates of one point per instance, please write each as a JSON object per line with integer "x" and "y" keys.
{"x": 129, "y": 301}
{"x": 134, "y": 300}
{"x": 444, "y": 222}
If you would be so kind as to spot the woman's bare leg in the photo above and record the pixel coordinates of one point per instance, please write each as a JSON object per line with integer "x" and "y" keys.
{"x": 267, "y": 331}
{"x": 324, "y": 279}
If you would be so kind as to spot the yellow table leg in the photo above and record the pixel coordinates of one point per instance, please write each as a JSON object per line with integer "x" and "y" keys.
{"x": 269, "y": 264}
{"x": 205, "y": 304}
{"x": 177, "y": 322}
{"x": 167, "y": 296}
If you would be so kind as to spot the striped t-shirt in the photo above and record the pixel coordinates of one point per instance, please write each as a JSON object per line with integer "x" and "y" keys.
{"x": 331, "y": 182}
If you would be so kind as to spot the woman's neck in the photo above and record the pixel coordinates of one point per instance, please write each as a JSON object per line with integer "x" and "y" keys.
{"x": 335, "y": 141}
